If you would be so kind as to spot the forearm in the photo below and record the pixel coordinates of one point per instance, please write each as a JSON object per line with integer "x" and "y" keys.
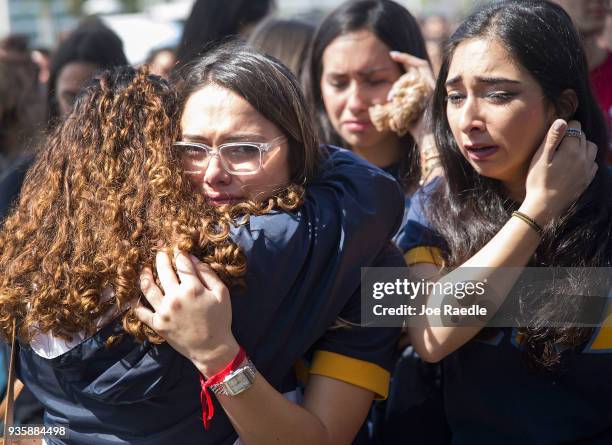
{"x": 548, "y": 192}
{"x": 331, "y": 412}
{"x": 498, "y": 264}
{"x": 261, "y": 416}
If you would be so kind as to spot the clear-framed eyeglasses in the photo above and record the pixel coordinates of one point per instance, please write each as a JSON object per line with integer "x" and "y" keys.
{"x": 237, "y": 158}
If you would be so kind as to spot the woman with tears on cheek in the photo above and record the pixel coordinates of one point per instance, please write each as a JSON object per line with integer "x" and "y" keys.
{"x": 522, "y": 186}
{"x": 240, "y": 150}
{"x": 358, "y": 53}
{"x": 284, "y": 224}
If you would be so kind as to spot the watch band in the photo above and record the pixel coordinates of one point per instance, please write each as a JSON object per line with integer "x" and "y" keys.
{"x": 208, "y": 407}
{"x": 237, "y": 381}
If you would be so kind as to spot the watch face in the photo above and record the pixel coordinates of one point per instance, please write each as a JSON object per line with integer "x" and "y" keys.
{"x": 238, "y": 383}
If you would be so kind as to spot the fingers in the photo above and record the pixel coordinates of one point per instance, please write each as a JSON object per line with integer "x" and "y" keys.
{"x": 149, "y": 289}
{"x": 591, "y": 156}
{"x": 209, "y": 278}
{"x": 574, "y": 124}
{"x": 408, "y": 60}
{"x": 165, "y": 271}
{"x": 186, "y": 269}
{"x": 553, "y": 138}
{"x": 145, "y": 315}
{"x": 575, "y": 144}
{"x": 580, "y": 150}
{"x": 591, "y": 150}
{"x": 582, "y": 139}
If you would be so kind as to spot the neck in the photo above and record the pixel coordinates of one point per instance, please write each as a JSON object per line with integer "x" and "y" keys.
{"x": 595, "y": 53}
{"x": 515, "y": 187}
{"x": 383, "y": 155}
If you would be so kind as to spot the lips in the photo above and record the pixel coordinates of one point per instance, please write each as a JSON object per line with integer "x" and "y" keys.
{"x": 481, "y": 152}
{"x": 356, "y": 125}
{"x": 219, "y": 200}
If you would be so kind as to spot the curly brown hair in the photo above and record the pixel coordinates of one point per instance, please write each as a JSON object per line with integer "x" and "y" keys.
{"x": 104, "y": 194}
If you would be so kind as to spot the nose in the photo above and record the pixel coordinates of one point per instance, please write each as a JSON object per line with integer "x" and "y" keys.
{"x": 471, "y": 118}
{"x": 357, "y": 98}
{"x": 215, "y": 174}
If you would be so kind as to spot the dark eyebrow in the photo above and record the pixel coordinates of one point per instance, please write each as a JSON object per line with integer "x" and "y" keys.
{"x": 237, "y": 137}
{"x": 488, "y": 80}
{"x": 452, "y": 81}
{"x": 194, "y": 138}
{"x": 362, "y": 73}
{"x": 373, "y": 70}
{"x": 244, "y": 137}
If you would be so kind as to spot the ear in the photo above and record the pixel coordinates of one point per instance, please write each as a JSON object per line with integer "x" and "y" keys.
{"x": 566, "y": 104}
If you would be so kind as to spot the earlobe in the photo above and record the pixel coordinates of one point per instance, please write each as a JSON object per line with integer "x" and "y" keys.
{"x": 567, "y": 104}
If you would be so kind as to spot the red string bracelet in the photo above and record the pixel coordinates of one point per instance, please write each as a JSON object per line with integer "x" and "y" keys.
{"x": 208, "y": 408}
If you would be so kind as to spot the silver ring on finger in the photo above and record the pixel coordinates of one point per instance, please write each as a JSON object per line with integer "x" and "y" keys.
{"x": 574, "y": 132}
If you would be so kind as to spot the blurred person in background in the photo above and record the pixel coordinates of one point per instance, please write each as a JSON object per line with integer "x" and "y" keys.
{"x": 42, "y": 58}
{"x": 436, "y": 30}
{"x": 89, "y": 48}
{"x": 14, "y": 44}
{"x": 161, "y": 61}
{"x": 357, "y": 54}
{"x": 287, "y": 40}
{"x": 589, "y": 17}
{"x": 21, "y": 105}
{"x": 435, "y": 26}
{"x": 213, "y": 21}
{"x": 606, "y": 38}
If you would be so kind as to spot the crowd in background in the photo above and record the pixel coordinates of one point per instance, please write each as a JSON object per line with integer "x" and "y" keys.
{"x": 28, "y": 110}
{"x": 39, "y": 88}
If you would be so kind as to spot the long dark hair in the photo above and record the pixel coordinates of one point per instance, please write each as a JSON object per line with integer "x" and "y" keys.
{"x": 270, "y": 88}
{"x": 468, "y": 209}
{"x": 393, "y": 25}
{"x": 214, "y": 21}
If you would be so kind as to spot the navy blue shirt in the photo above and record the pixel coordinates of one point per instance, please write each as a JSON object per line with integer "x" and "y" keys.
{"x": 491, "y": 397}
{"x": 303, "y": 271}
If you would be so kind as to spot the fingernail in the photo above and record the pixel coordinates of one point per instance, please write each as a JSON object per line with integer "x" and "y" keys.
{"x": 558, "y": 125}
{"x": 144, "y": 283}
{"x": 394, "y": 53}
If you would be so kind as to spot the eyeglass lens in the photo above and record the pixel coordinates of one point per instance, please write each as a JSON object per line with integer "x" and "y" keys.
{"x": 241, "y": 158}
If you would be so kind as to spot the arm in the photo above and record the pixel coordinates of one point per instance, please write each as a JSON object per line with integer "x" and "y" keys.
{"x": 555, "y": 179}
{"x": 304, "y": 266}
{"x": 194, "y": 315}
{"x": 332, "y": 413}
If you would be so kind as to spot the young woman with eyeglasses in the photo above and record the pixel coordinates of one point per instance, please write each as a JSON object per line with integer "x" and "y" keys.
{"x": 522, "y": 146}
{"x": 243, "y": 186}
